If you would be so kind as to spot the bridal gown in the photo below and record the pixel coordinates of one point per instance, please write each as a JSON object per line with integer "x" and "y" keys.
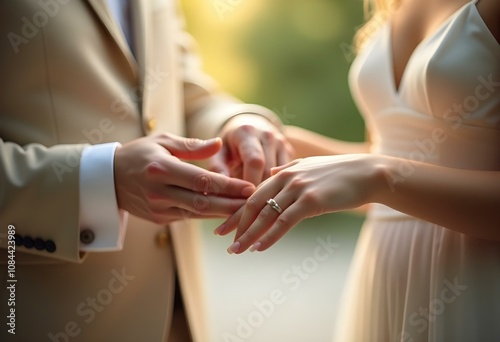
{"x": 412, "y": 280}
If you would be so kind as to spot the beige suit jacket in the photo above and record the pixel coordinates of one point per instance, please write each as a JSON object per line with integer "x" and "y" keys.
{"x": 69, "y": 79}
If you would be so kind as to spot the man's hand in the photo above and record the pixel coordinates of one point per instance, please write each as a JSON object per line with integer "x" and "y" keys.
{"x": 152, "y": 182}
{"x": 252, "y": 146}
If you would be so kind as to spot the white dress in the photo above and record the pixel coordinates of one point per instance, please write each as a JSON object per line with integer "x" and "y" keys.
{"x": 412, "y": 280}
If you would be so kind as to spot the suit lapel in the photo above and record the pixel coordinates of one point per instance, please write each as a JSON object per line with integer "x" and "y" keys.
{"x": 140, "y": 29}
{"x": 101, "y": 9}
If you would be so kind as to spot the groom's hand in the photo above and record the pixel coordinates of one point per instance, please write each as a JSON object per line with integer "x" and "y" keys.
{"x": 152, "y": 182}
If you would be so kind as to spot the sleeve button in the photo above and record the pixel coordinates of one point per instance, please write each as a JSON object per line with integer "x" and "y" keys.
{"x": 28, "y": 242}
{"x": 87, "y": 236}
{"x": 18, "y": 239}
{"x": 39, "y": 244}
{"x": 50, "y": 246}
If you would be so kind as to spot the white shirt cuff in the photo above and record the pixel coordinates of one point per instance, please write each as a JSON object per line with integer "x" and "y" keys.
{"x": 99, "y": 212}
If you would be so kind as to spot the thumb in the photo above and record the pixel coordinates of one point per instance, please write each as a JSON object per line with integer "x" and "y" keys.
{"x": 191, "y": 148}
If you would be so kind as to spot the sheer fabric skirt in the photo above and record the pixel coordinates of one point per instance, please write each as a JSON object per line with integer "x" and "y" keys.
{"x": 412, "y": 281}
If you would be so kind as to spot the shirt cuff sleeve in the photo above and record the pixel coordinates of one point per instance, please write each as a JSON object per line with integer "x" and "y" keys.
{"x": 102, "y": 223}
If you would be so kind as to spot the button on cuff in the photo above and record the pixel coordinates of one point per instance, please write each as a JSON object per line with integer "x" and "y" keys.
{"x": 87, "y": 236}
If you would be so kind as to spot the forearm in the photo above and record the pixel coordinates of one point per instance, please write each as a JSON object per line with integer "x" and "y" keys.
{"x": 307, "y": 143}
{"x": 466, "y": 201}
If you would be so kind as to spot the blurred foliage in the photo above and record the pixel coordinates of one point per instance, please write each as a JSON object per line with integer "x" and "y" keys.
{"x": 292, "y": 56}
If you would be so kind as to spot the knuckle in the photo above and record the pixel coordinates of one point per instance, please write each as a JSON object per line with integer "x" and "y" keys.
{"x": 191, "y": 143}
{"x": 163, "y": 136}
{"x": 284, "y": 175}
{"x": 282, "y": 221}
{"x": 154, "y": 168}
{"x": 268, "y": 138}
{"x": 311, "y": 198}
{"x": 247, "y": 128}
{"x": 252, "y": 203}
{"x": 203, "y": 183}
{"x": 256, "y": 161}
{"x": 298, "y": 183}
{"x": 152, "y": 197}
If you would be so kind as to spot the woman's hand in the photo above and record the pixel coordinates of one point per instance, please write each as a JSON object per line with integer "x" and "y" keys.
{"x": 302, "y": 188}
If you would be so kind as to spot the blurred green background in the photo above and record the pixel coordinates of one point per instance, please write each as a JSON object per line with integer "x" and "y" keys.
{"x": 292, "y": 56}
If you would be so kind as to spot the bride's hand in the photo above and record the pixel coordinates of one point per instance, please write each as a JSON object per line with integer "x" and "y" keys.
{"x": 302, "y": 188}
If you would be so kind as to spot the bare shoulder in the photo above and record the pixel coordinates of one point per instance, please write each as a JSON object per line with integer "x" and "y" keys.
{"x": 490, "y": 12}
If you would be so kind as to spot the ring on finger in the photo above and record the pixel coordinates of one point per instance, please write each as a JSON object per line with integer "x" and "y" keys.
{"x": 271, "y": 202}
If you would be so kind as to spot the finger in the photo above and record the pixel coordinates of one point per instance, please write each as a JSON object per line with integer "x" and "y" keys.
{"x": 257, "y": 202}
{"x": 268, "y": 143}
{"x": 284, "y": 156}
{"x": 192, "y": 177}
{"x": 277, "y": 169}
{"x": 197, "y": 203}
{"x": 171, "y": 214}
{"x": 189, "y": 148}
{"x": 263, "y": 222}
{"x": 252, "y": 157}
{"x": 290, "y": 217}
{"x": 218, "y": 163}
{"x": 230, "y": 224}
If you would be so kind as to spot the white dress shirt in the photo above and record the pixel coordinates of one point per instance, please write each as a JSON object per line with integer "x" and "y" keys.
{"x": 99, "y": 210}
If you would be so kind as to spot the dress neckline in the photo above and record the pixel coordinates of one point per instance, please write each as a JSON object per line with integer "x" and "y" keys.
{"x": 397, "y": 88}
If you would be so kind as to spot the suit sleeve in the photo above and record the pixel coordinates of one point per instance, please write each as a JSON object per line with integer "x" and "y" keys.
{"x": 207, "y": 107}
{"x": 39, "y": 197}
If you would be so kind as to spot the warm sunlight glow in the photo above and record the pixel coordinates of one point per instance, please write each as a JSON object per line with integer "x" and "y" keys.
{"x": 217, "y": 25}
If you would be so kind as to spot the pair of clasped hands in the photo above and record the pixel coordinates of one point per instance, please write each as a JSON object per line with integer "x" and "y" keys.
{"x": 249, "y": 165}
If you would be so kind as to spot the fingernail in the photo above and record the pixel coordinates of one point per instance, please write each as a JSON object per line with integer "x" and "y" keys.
{"x": 247, "y": 191}
{"x": 235, "y": 247}
{"x": 255, "y": 247}
{"x": 210, "y": 141}
{"x": 219, "y": 230}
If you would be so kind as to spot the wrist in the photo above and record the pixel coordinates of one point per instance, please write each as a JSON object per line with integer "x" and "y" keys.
{"x": 117, "y": 175}
{"x": 252, "y": 119}
{"x": 381, "y": 179}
